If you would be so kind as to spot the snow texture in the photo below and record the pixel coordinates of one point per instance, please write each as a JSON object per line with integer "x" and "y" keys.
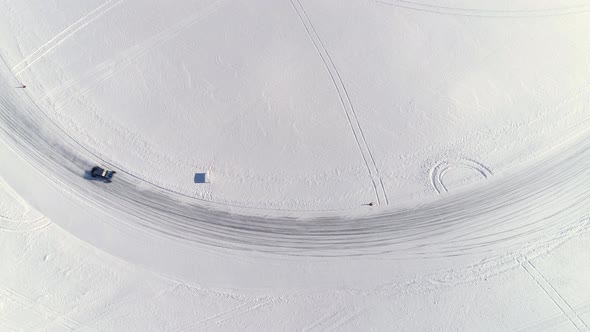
{"x": 294, "y": 165}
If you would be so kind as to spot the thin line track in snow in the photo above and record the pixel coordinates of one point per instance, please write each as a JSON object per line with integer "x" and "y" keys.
{"x": 223, "y": 316}
{"x": 351, "y": 234}
{"x": 108, "y": 68}
{"x": 346, "y": 103}
{"x": 550, "y": 322}
{"x": 554, "y": 295}
{"x": 64, "y": 35}
{"x": 508, "y": 211}
{"x": 33, "y": 305}
{"x": 487, "y": 13}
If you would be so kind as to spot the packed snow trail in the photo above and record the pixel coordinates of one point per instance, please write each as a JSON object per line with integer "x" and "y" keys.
{"x": 546, "y": 199}
{"x": 351, "y": 116}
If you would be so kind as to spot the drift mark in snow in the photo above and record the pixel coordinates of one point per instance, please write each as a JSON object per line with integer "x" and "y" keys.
{"x": 498, "y": 13}
{"x": 439, "y": 171}
{"x": 351, "y": 116}
{"x": 524, "y": 207}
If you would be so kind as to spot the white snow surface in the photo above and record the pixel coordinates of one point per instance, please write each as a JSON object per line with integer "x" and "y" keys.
{"x": 304, "y": 105}
{"x": 51, "y": 281}
{"x": 464, "y": 123}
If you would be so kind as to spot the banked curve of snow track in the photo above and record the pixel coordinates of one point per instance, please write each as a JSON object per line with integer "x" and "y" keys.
{"x": 549, "y": 199}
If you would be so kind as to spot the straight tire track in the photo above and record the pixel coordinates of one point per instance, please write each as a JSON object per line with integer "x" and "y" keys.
{"x": 351, "y": 116}
{"x": 64, "y": 35}
{"x": 238, "y": 310}
{"x": 56, "y": 317}
{"x": 107, "y": 69}
{"x": 554, "y": 295}
{"x": 487, "y": 13}
{"x": 521, "y": 206}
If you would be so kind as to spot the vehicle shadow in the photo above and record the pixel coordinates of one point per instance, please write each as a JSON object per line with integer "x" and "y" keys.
{"x": 88, "y": 176}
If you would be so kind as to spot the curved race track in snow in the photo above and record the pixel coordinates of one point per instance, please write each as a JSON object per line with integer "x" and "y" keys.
{"x": 548, "y": 198}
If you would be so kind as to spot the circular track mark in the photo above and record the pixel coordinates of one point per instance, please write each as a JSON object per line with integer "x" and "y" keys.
{"x": 438, "y": 172}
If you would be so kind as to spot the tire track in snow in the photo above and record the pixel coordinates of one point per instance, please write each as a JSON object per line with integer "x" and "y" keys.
{"x": 490, "y": 13}
{"x": 554, "y": 295}
{"x": 43, "y": 311}
{"x": 107, "y": 69}
{"x": 8, "y": 325}
{"x": 106, "y": 310}
{"x": 521, "y": 207}
{"x": 550, "y": 323}
{"x": 489, "y": 267}
{"x": 239, "y": 310}
{"x": 13, "y": 225}
{"x": 346, "y": 320}
{"x": 23, "y": 223}
{"x": 64, "y": 35}
{"x": 351, "y": 116}
{"x": 334, "y": 321}
{"x": 441, "y": 168}
{"x": 319, "y": 324}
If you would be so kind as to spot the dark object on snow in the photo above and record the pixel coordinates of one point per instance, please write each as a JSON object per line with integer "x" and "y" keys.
{"x": 99, "y": 172}
{"x": 202, "y": 177}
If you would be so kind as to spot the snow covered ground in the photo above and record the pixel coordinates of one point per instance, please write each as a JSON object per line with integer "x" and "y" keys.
{"x": 51, "y": 281}
{"x": 305, "y": 105}
{"x": 463, "y": 122}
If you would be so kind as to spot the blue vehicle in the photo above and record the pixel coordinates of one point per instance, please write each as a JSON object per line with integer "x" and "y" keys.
{"x": 99, "y": 172}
